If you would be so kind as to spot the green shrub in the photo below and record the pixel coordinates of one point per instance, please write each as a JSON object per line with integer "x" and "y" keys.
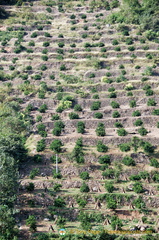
{"x": 46, "y": 44}
{"x": 116, "y": 114}
{"x": 34, "y": 35}
{"x": 154, "y": 163}
{"x": 62, "y": 67}
{"x": 128, "y": 161}
{"x": 112, "y": 95}
{"x": 59, "y": 202}
{"x": 56, "y": 145}
{"x": 151, "y": 102}
{"x": 38, "y": 118}
{"x": 61, "y": 44}
{"x": 100, "y": 130}
{"x": 118, "y": 49}
{"x": 84, "y": 175}
{"x": 124, "y": 147}
{"x": 81, "y": 127}
{"x": 98, "y": 115}
{"x": 95, "y": 105}
{"x": 132, "y": 103}
{"x": 101, "y": 147}
{"x": 46, "y": 34}
{"x": 115, "y": 42}
{"x": 142, "y": 131}
{"x": 109, "y": 187}
{"x": 116, "y": 223}
{"x": 31, "y": 44}
{"x": 43, "y": 67}
{"x": 137, "y": 187}
{"x": 81, "y": 202}
{"x": 55, "y": 117}
{"x": 78, "y": 108}
{"x": 121, "y": 132}
{"x": 155, "y": 112}
{"x": 53, "y": 159}
{"x": 73, "y": 115}
{"x": 136, "y": 113}
{"x": 56, "y": 131}
{"x": 34, "y": 172}
{"x": 131, "y": 48}
{"x": 37, "y": 77}
{"x": 84, "y": 188}
{"x": 138, "y": 122}
{"x": 31, "y": 222}
{"x": 95, "y": 96}
{"x": 149, "y": 92}
{"x": 105, "y": 159}
{"x": 42, "y": 108}
{"x": 41, "y": 145}
{"x": 56, "y": 174}
{"x": 44, "y": 57}
{"x": 114, "y": 104}
{"x": 118, "y": 125}
{"x": 139, "y": 203}
{"x": 134, "y": 177}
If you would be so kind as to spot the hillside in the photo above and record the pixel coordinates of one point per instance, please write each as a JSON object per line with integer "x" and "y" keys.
{"x": 87, "y": 88}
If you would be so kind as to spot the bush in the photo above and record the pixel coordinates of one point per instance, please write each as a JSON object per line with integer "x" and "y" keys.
{"x": 55, "y": 117}
{"x": 34, "y": 35}
{"x": 61, "y": 44}
{"x": 138, "y": 122}
{"x": 37, "y": 77}
{"x": 46, "y": 44}
{"x": 116, "y": 114}
{"x": 115, "y": 42}
{"x": 56, "y": 131}
{"x": 155, "y": 112}
{"x": 100, "y": 130}
{"x": 41, "y": 145}
{"x": 104, "y": 159}
{"x": 84, "y": 175}
{"x": 122, "y": 132}
{"x": 44, "y": 57}
{"x": 154, "y": 163}
{"x": 95, "y": 96}
{"x": 137, "y": 187}
{"x": 31, "y": 222}
{"x": 132, "y": 103}
{"x": 116, "y": 223}
{"x": 56, "y": 145}
{"x": 118, "y": 125}
{"x": 151, "y": 102}
{"x": 112, "y": 95}
{"x": 56, "y": 174}
{"x": 98, "y": 115}
{"x": 149, "y": 92}
{"x": 109, "y": 187}
{"x": 124, "y": 147}
{"x": 142, "y": 131}
{"x": 131, "y": 48}
{"x": 114, "y": 104}
{"x": 34, "y": 172}
{"x": 59, "y": 202}
{"x": 111, "y": 203}
{"x": 78, "y": 108}
{"x": 42, "y": 108}
{"x": 136, "y": 113}
{"x": 134, "y": 177}
{"x": 57, "y": 187}
{"x": 95, "y": 105}
{"x": 128, "y": 161}
{"x": 62, "y": 67}
{"x": 139, "y": 203}
{"x": 101, "y": 147}
{"x": 73, "y": 115}
{"x": 81, "y": 202}
{"x": 84, "y": 188}
{"x": 53, "y": 159}
{"x": 81, "y": 127}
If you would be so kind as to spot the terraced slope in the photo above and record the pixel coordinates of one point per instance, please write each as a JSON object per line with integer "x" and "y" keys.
{"x": 72, "y": 66}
